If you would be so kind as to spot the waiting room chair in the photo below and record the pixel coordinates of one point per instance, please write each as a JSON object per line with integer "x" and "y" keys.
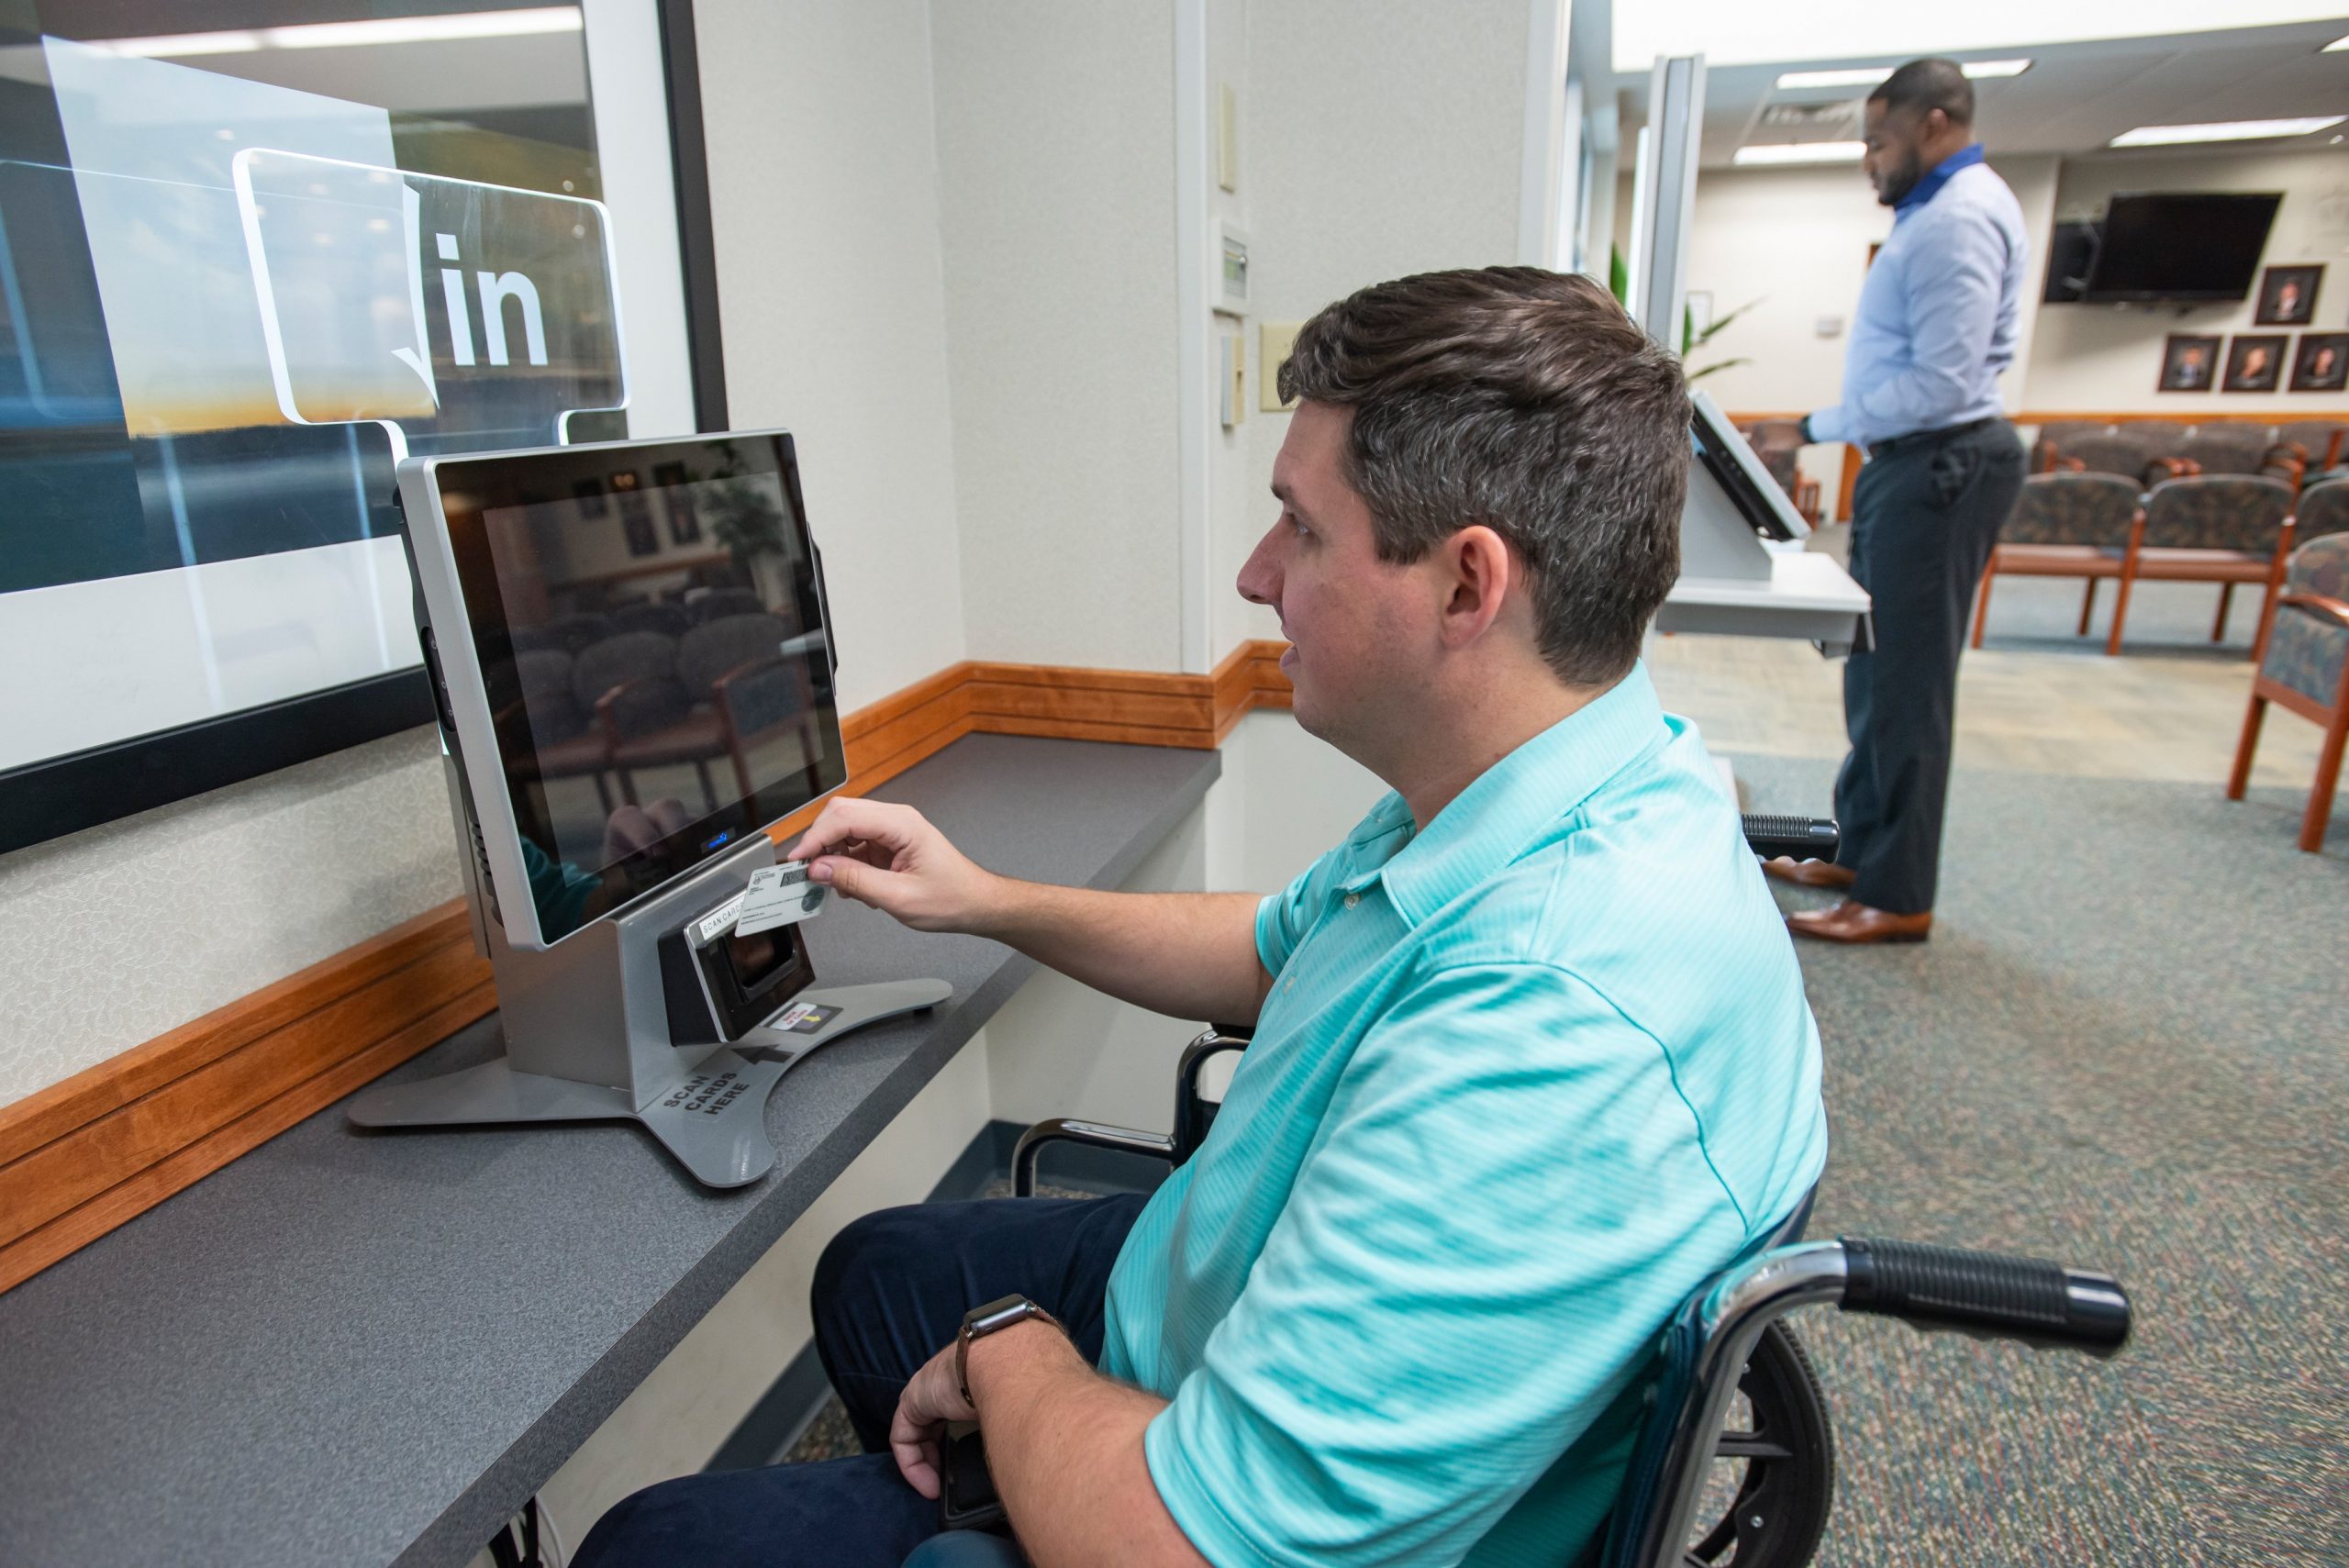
{"x": 2068, "y": 525}
{"x": 2316, "y": 442}
{"x": 2305, "y": 667}
{"x": 629, "y": 683}
{"x": 2130, "y": 456}
{"x": 2227, "y": 528}
{"x": 2322, "y": 508}
{"x": 563, "y": 741}
{"x": 2241, "y": 449}
{"x": 729, "y": 690}
{"x": 2054, "y": 433}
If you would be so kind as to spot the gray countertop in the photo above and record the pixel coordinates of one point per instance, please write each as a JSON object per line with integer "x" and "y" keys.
{"x": 363, "y": 1348}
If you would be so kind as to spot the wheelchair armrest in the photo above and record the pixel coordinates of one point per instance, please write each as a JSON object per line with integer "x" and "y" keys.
{"x": 1193, "y": 1113}
{"x": 1092, "y": 1134}
{"x": 1930, "y": 1288}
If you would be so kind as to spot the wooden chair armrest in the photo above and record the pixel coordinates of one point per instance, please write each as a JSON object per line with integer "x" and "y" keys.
{"x": 2318, "y": 604}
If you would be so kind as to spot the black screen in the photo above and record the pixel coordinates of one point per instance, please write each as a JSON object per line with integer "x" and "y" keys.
{"x": 2181, "y": 246}
{"x": 649, "y": 623}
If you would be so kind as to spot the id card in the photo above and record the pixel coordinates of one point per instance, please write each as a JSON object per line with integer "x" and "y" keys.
{"x": 780, "y": 895}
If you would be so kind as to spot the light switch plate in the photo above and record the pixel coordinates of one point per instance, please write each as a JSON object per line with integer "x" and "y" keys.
{"x": 1235, "y": 379}
{"x": 1275, "y": 341}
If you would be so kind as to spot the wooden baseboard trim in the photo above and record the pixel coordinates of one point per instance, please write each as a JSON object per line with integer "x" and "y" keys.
{"x": 83, "y": 1156}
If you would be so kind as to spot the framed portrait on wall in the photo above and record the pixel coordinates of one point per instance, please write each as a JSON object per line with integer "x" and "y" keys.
{"x": 2255, "y": 361}
{"x": 233, "y": 303}
{"x": 2320, "y": 362}
{"x": 2190, "y": 363}
{"x": 2288, "y": 295}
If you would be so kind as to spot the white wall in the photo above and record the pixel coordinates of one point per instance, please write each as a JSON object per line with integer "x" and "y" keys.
{"x": 115, "y": 935}
{"x": 2094, "y": 358}
{"x": 1055, "y": 150}
{"x": 824, "y": 202}
{"x": 1385, "y": 139}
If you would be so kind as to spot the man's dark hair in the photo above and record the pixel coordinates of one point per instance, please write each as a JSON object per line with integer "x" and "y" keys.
{"x": 1528, "y": 401}
{"x": 1928, "y": 84}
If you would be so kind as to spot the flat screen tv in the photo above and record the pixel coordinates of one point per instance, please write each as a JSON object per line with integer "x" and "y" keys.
{"x": 2180, "y": 245}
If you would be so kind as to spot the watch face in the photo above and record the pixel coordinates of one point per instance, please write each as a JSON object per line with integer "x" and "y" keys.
{"x": 995, "y": 1314}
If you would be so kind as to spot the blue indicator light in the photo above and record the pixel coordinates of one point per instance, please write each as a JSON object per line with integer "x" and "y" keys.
{"x": 719, "y": 839}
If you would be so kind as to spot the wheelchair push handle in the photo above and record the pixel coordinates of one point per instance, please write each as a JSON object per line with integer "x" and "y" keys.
{"x": 1795, "y": 838}
{"x": 1988, "y": 1295}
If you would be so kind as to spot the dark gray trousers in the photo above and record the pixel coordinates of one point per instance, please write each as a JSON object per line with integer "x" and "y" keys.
{"x": 1925, "y": 513}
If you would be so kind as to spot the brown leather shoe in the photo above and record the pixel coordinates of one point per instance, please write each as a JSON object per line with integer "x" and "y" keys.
{"x": 1809, "y": 873}
{"x": 1850, "y": 922}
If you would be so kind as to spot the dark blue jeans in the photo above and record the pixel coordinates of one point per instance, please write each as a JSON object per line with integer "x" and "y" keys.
{"x": 889, "y": 1293}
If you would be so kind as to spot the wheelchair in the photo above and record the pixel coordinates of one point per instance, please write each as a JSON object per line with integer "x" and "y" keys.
{"x": 1729, "y": 1342}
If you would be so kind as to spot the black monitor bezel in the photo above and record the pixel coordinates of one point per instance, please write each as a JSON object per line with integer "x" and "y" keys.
{"x": 1754, "y": 504}
{"x": 468, "y": 488}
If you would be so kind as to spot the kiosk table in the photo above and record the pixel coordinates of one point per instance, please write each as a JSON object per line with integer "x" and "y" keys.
{"x": 371, "y": 1347}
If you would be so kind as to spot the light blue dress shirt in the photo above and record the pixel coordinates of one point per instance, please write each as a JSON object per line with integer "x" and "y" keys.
{"x": 1940, "y": 312}
{"x": 1524, "y": 1082}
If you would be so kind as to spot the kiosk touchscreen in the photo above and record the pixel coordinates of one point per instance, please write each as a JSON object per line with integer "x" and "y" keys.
{"x": 632, "y": 658}
{"x": 1734, "y": 503}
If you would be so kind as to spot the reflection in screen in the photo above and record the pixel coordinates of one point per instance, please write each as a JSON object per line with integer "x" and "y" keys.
{"x": 667, "y": 662}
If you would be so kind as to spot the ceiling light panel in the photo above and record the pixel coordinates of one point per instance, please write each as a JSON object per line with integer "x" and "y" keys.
{"x": 2226, "y": 130}
{"x": 1800, "y": 152}
{"x": 1869, "y": 75}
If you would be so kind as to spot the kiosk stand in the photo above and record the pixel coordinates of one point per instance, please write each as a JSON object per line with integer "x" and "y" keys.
{"x": 592, "y": 1034}
{"x": 580, "y": 645}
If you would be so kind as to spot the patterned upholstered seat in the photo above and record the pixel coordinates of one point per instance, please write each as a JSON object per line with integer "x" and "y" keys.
{"x": 2108, "y": 452}
{"x": 2240, "y": 449}
{"x": 2065, "y": 525}
{"x": 2222, "y": 528}
{"x": 2322, "y": 509}
{"x": 2054, "y": 433}
{"x": 2305, "y": 668}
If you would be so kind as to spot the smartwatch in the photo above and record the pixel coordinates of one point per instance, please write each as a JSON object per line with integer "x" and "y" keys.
{"x": 995, "y": 1317}
{"x": 1804, "y": 427}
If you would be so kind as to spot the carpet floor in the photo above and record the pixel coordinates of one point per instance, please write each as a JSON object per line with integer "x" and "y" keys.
{"x": 2126, "y": 1047}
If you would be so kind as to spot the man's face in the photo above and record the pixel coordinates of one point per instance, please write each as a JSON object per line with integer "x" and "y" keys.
{"x": 1359, "y": 626}
{"x": 1896, "y": 140}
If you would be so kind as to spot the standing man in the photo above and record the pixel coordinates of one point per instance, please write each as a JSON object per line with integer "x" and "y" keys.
{"x": 1936, "y": 324}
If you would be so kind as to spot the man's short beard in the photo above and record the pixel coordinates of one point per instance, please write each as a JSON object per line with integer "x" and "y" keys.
{"x": 1903, "y": 181}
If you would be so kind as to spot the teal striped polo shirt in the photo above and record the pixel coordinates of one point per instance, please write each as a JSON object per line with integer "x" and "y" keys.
{"x": 1524, "y": 1081}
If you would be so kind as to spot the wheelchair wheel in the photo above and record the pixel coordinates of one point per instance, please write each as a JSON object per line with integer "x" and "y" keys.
{"x": 1788, "y": 1452}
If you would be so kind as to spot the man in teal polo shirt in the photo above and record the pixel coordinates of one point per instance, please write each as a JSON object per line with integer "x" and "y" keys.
{"x": 1531, "y": 1056}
